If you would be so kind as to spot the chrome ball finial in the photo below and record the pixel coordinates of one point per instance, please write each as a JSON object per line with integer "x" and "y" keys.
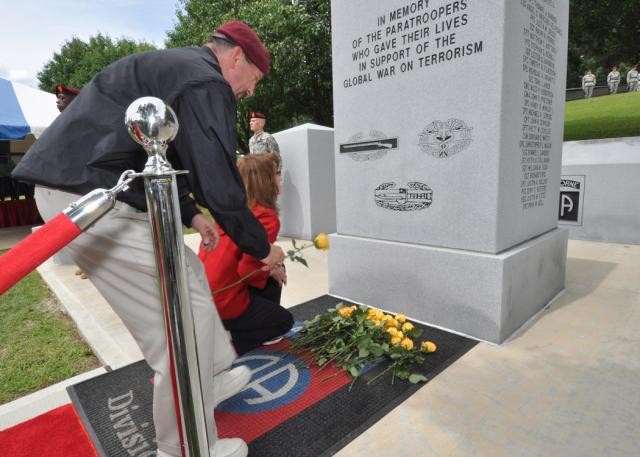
{"x": 151, "y": 123}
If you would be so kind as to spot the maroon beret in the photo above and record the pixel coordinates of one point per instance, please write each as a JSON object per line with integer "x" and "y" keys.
{"x": 248, "y": 40}
{"x": 60, "y": 88}
{"x": 256, "y": 114}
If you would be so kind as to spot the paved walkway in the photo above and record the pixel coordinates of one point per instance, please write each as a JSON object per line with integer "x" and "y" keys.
{"x": 565, "y": 385}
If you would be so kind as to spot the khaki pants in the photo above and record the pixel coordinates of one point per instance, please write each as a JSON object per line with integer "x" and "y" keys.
{"x": 613, "y": 87}
{"x": 588, "y": 91}
{"x": 117, "y": 255}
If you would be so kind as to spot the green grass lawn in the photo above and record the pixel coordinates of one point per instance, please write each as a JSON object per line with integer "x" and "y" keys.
{"x": 39, "y": 344}
{"x": 608, "y": 116}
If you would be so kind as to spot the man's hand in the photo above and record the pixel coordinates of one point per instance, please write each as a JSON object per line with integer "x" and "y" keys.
{"x": 207, "y": 230}
{"x": 276, "y": 256}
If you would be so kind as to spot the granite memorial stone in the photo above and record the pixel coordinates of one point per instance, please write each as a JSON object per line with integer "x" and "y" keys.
{"x": 448, "y": 131}
{"x": 308, "y": 197}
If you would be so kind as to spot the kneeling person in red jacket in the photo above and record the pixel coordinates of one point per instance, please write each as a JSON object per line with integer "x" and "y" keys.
{"x": 247, "y": 298}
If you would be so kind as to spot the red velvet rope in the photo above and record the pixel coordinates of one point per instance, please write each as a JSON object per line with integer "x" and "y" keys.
{"x": 25, "y": 256}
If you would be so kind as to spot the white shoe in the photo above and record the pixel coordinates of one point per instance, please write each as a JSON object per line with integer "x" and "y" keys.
{"x": 275, "y": 340}
{"x": 230, "y": 382}
{"x": 229, "y": 447}
{"x": 226, "y": 447}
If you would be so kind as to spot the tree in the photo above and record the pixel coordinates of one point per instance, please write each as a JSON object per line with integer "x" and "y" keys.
{"x": 602, "y": 33}
{"x": 298, "y": 35}
{"x": 78, "y": 62}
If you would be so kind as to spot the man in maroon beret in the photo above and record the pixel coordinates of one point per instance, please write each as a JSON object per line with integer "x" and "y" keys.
{"x": 88, "y": 147}
{"x": 65, "y": 95}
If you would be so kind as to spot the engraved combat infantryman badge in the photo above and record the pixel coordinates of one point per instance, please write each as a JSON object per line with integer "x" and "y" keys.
{"x": 374, "y": 147}
{"x": 444, "y": 139}
{"x": 414, "y": 197}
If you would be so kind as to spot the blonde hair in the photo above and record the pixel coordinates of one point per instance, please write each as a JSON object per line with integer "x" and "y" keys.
{"x": 258, "y": 172}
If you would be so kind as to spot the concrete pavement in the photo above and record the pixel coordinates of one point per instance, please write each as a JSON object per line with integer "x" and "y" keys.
{"x": 564, "y": 385}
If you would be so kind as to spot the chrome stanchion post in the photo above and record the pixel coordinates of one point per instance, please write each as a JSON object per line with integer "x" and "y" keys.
{"x": 153, "y": 124}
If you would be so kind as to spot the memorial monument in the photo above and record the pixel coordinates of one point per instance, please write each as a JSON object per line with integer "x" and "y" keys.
{"x": 308, "y": 193}
{"x": 448, "y": 143}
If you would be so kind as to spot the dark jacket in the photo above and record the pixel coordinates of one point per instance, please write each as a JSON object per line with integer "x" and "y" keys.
{"x": 88, "y": 145}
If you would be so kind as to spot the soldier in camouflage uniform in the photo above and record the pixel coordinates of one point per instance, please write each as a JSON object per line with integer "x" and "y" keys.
{"x": 613, "y": 79}
{"x": 262, "y": 142}
{"x": 588, "y": 83}
{"x": 632, "y": 79}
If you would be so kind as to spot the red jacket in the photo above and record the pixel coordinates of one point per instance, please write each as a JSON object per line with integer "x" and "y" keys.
{"x": 226, "y": 264}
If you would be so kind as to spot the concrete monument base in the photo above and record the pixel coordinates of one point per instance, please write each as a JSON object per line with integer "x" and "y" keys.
{"x": 485, "y": 296}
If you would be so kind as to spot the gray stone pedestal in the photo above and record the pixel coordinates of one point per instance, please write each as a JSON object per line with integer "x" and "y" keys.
{"x": 486, "y": 296}
{"x": 308, "y": 198}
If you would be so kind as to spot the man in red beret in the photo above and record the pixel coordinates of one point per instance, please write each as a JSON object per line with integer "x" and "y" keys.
{"x": 262, "y": 142}
{"x": 88, "y": 146}
{"x": 65, "y": 95}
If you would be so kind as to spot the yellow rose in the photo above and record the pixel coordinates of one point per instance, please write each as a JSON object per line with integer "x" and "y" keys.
{"x": 392, "y": 331}
{"x": 321, "y": 241}
{"x": 376, "y": 316}
{"x": 401, "y": 318}
{"x": 407, "y": 327}
{"x": 396, "y": 340}
{"x": 407, "y": 343}
{"x": 389, "y": 321}
{"x": 347, "y": 311}
{"x": 428, "y": 346}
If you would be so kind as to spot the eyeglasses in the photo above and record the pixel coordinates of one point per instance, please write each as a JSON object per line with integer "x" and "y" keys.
{"x": 220, "y": 36}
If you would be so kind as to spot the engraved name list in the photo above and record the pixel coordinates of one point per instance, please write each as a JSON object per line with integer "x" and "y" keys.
{"x": 538, "y": 67}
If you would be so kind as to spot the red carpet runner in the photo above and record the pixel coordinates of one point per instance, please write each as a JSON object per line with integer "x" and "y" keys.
{"x": 58, "y": 433}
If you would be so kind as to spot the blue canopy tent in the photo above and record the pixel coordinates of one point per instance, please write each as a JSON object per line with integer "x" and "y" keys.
{"x": 24, "y": 110}
{"x": 24, "y": 114}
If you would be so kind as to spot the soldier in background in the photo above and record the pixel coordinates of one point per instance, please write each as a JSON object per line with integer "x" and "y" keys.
{"x": 613, "y": 79}
{"x": 262, "y": 142}
{"x": 65, "y": 95}
{"x": 632, "y": 79}
{"x": 588, "y": 83}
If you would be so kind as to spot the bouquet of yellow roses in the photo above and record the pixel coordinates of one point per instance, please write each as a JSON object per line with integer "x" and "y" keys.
{"x": 353, "y": 337}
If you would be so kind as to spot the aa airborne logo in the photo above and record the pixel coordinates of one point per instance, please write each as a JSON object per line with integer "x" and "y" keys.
{"x": 445, "y": 138}
{"x": 572, "y": 190}
{"x": 277, "y": 379}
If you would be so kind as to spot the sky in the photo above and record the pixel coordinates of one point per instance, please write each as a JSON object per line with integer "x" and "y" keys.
{"x": 32, "y": 30}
